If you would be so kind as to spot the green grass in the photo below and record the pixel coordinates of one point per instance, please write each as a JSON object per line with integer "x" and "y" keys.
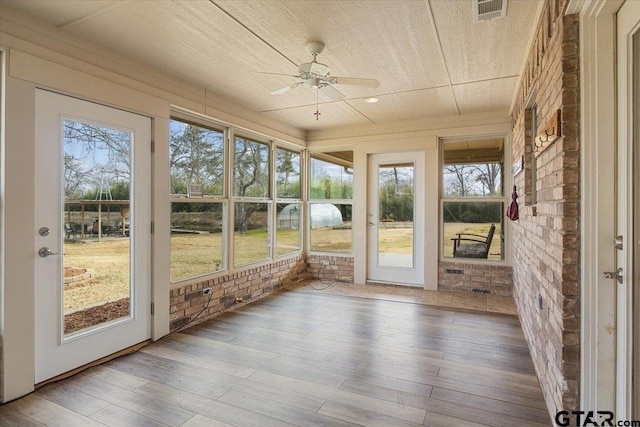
{"x": 195, "y": 255}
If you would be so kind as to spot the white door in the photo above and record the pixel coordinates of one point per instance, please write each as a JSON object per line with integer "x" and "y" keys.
{"x": 627, "y": 170}
{"x": 92, "y": 246}
{"x": 396, "y": 218}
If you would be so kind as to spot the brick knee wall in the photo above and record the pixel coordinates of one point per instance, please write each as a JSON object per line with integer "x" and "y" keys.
{"x": 250, "y": 284}
{"x": 339, "y": 269}
{"x": 493, "y": 280}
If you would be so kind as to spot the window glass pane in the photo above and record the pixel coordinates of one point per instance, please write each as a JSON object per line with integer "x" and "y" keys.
{"x": 287, "y": 174}
{"x": 396, "y": 211}
{"x": 473, "y": 180}
{"x": 287, "y": 228}
{"x": 197, "y": 160}
{"x": 96, "y": 255}
{"x": 468, "y": 229}
{"x": 330, "y": 227}
{"x": 197, "y": 239}
{"x": 473, "y": 168}
{"x": 251, "y": 233}
{"x": 330, "y": 180}
{"x": 250, "y": 168}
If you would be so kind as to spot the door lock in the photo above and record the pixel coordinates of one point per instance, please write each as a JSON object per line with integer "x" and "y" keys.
{"x": 618, "y": 275}
{"x": 617, "y": 243}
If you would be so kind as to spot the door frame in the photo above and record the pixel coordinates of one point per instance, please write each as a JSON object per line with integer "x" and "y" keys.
{"x": 598, "y": 180}
{"x": 628, "y": 25}
{"x": 375, "y": 160}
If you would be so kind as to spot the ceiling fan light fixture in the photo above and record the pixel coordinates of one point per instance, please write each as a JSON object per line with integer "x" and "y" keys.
{"x": 372, "y": 100}
{"x": 313, "y": 83}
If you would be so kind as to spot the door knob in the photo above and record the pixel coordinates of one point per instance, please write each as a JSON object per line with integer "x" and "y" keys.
{"x": 45, "y": 252}
{"x": 618, "y": 275}
{"x": 371, "y": 224}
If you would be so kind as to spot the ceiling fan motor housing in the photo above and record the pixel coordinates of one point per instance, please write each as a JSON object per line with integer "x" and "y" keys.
{"x": 314, "y": 68}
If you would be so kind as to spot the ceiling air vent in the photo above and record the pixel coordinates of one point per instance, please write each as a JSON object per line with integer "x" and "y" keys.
{"x": 483, "y": 10}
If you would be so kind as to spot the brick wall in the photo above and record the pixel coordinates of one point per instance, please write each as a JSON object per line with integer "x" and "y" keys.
{"x": 339, "y": 269}
{"x": 250, "y": 284}
{"x": 546, "y": 238}
{"x": 494, "y": 280}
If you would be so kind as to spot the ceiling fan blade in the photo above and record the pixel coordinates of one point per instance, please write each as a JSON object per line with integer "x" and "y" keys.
{"x": 331, "y": 92}
{"x": 286, "y": 89}
{"x": 276, "y": 74}
{"x": 355, "y": 81}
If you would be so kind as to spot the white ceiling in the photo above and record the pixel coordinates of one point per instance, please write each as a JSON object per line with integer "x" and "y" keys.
{"x": 431, "y": 59}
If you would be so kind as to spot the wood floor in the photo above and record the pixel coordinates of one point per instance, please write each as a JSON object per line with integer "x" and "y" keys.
{"x": 309, "y": 359}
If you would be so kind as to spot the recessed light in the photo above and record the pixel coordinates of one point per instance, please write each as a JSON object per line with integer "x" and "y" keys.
{"x": 372, "y": 100}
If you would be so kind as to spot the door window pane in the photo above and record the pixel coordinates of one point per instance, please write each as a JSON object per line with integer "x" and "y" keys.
{"x": 251, "y": 233}
{"x": 250, "y": 168}
{"x": 395, "y": 222}
{"x": 97, "y": 218}
{"x": 197, "y": 239}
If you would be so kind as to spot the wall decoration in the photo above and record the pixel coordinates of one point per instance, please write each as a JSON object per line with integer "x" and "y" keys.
{"x": 549, "y": 134}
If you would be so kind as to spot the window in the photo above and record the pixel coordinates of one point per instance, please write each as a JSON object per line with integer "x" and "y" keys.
{"x": 330, "y": 207}
{"x": 212, "y": 197}
{"x": 473, "y": 199}
{"x": 289, "y": 206}
{"x": 252, "y": 206}
{"x": 250, "y": 168}
{"x": 287, "y": 174}
{"x": 198, "y": 206}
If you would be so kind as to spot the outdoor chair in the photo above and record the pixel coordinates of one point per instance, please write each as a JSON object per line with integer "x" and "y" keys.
{"x": 71, "y": 230}
{"x": 468, "y": 245}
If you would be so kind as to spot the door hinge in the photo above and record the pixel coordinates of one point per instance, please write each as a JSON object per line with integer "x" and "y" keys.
{"x": 153, "y": 309}
{"x": 153, "y": 146}
{"x": 153, "y": 227}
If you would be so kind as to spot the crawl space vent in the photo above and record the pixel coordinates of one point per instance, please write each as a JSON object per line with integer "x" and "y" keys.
{"x": 483, "y": 10}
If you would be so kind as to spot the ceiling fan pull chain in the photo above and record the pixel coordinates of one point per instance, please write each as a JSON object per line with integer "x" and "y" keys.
{"x": 317, "y": 113}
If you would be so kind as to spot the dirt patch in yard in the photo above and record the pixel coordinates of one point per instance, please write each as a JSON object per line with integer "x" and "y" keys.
{"x": 96, "y": 315}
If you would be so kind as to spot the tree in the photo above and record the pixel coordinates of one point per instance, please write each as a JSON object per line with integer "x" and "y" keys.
{"x": 196, "y": 156}
{"x": 250, "y": 178}
{"x": 458, "y": 180}
{"x": 287, "y": 166}
{"x": 489, "y": 175}
{"x": 93, "y": 153}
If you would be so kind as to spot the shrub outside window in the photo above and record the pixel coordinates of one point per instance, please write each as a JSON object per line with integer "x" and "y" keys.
{"x": 197, "y": 178}
{"x": 473, "y": 199}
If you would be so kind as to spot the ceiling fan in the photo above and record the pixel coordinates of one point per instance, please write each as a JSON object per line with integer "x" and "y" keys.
{"x": 317, "y": 76}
